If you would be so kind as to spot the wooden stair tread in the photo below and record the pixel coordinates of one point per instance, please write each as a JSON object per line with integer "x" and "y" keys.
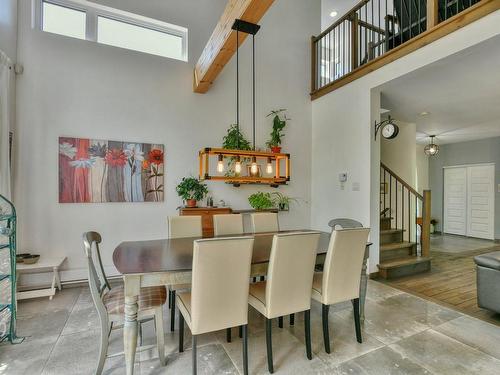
{"x": 392, "y": 231}
{"x": 400, "y": 262}
{"x": 396, "y": 245}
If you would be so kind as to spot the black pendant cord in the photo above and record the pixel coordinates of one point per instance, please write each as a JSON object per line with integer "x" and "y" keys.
{"x": 238, "y": 86}
{"x": 253, "y": 87}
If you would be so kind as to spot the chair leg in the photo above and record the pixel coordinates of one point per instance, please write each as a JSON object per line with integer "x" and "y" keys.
{"x": 357, "y": 320}
{"x": 195, "y": 367}
{"x": 292, "y": 319}
{"x": 240, "y": 332}
{"x": 269, "y": 344}
{"x": 307, "y": 326}
{"x": 103, "y": 347}
{"x": 169, "y": 299}
{"x": 181, "y": 333}
{"x": 172, "y": 311}
{"x": 228, "y": 334}
{"x": 245, "y": 348}
{"x": 140, "y": 333}
{"x": 280, "y": 322}
{"x": 326, "y": 333}
{"x": 160, "y": 334}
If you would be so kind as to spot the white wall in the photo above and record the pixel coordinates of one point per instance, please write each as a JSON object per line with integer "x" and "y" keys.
{"x": 343, "y": 134}
{"x": 77, "y": 88}
{"x": 399, "y": 154}
{"x": 8, "y": 28}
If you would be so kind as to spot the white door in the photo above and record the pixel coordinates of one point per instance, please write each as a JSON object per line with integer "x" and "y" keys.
{"x": 480, "y": 201}
{"x": 455, "y": 200}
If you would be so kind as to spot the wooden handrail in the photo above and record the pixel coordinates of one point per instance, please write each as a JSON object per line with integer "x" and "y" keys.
{"x": 345, "y": 17}
{"x": 402, "y": 182}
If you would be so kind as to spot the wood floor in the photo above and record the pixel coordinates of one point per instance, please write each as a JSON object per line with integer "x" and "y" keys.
{"x": 451, "y": 282}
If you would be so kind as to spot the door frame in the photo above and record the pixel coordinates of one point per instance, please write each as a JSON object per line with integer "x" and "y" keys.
{"x": 493, "y": 192}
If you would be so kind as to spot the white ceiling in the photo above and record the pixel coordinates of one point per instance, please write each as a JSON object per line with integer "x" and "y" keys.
{"x": 340, "y": 6}
{"x": 461, "y": 94}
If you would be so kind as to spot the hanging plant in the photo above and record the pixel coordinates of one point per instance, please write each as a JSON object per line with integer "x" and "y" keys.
{"x": 234, "y": 140}
{"x": 279, "y": 123}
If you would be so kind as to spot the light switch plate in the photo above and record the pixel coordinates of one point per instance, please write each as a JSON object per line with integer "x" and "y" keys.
{"x": 355, "y": 186}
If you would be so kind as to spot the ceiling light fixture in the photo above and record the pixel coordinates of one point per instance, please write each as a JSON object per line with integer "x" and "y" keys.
{"x": 333, "y": 13}
{"x": 431, "y": 149}
{"x": 424, "y": 113}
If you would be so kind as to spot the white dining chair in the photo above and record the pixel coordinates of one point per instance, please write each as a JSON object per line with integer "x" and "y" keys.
{"x": 341, "y": 275}
{"x": 264, "y": 222}
{"x": 110, "y": 303}
{"x": 181, "y": 227}
{"x": 288, "y": 287}
{"x": 219, "y": 293}
{"x": 228, "y": 224}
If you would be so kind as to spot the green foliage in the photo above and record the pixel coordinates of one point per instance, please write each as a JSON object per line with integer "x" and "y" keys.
{"x": 235, "y": 140}
{"x": 261, "y": 201}
{"x": 282, "y": 201}
{"x": 191, "y": 188}
{"x": 279, "y": 124}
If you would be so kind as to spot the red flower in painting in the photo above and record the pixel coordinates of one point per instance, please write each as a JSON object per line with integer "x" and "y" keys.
{"x": 156, "y": 156}
{"x": 116, "y": 158}
{"x": 145, "y": 164}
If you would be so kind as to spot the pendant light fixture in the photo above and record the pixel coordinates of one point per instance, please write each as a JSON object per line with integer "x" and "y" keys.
{"x": 254, "y": 174}
{"x": 431, "y": 149}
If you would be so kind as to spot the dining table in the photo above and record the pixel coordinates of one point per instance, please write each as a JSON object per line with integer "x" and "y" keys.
{"x": 169, "y": 262}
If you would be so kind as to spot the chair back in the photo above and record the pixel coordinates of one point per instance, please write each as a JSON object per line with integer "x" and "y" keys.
{"x": 343, "y": 264}
{"x": 228, "y": 224}
{"x": 219, "y": 289}
{"x": 344, "y": 223}
{"x": 98, "y": 283}
{"x": 290, "y": 273}
{"x": 265, "y": 222}
{"x": 184, "y": 226}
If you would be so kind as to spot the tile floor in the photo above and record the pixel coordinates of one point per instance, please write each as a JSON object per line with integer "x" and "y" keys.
{"x": 403, "y": 334}
{"x": 449, "y": 243}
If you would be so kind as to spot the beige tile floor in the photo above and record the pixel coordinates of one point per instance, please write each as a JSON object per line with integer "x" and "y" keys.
{"x": 403, "y": 334}
{"x": 449, "y": 243}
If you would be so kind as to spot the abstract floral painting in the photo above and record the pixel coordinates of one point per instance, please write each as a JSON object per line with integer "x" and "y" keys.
{"x": 95, "y": 171}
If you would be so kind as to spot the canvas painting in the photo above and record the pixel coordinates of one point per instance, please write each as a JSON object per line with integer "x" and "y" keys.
{"x": 96, "y": 171}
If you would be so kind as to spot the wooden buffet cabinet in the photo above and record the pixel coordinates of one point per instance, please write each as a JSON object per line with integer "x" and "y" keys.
{"x": 206, "y": 214}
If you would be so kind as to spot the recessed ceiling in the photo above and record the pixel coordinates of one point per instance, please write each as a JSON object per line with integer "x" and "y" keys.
{"x": 461, "y": 95}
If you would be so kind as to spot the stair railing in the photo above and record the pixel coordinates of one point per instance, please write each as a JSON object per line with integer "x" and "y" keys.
{"x": 409, "y": 210}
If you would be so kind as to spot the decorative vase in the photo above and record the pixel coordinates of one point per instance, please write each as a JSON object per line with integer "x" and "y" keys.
{"x": 191, "y": 203}
{"x": 276, "y": 149}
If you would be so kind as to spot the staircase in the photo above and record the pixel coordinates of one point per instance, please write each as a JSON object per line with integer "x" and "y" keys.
{"x": 404, "y": 245}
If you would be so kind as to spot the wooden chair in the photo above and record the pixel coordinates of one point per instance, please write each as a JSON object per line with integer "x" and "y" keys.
{"x": 219, "y": 294}
{"x": 110, "y": 302}
{"x": 264, "y": 222}
{"x": 288, "y": 287}
{"x": 181, "y": 227}
{"x": 340, "y": 279}
{"x": 228, "y": 224}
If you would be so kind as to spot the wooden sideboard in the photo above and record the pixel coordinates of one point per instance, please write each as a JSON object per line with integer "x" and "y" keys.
{"x": 206, "y": 214}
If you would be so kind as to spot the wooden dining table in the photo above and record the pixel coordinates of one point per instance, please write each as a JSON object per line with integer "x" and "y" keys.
{"x": 169, "y": 262}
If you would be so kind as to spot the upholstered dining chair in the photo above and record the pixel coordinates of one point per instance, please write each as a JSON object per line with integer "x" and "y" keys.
{"x": 341, "y": 275}
{"x": 110, "y": 302}
{"x": 264, "y": 222}
{"x": 287, "y": 289}
{"x": 219, "y": 290}
{"x": 181, "y": 227}
{"x": 228, "y": 224}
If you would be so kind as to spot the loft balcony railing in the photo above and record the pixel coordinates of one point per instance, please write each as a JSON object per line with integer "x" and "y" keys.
{"x": 370, "y": 30}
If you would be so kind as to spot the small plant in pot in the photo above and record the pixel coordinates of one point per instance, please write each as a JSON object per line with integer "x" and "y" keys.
{"x": 261, "y": 201}
{"x": 191, "y": 190}
{"x": 282, "y": 201}
{"x": 279, "y": 123}
{"x": 434, "y": 222}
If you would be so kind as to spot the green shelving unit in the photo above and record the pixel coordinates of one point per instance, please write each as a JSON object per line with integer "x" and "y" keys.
{"x": 8, "y": 280}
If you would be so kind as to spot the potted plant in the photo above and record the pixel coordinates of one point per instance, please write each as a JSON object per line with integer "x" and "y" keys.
{"x": 433, "y": 225}
{"x": 282, "y": 201}
{"x": 191, "y": 190}
{"x": 261, "y": 201}
{"x": 234, "y": 140}
{"x": 279, "y": 123}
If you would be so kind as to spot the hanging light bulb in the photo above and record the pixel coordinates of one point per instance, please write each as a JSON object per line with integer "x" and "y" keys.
{"x": 269, "y": 167}
{"x": 431, "y": 149}
{"x": 220, "y": 164}
{"x": 237, "y": 165}
{"x": 254, "y": 168}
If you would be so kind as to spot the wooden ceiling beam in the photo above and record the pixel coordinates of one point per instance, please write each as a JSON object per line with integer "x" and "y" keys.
{"x": 222, "y": 44}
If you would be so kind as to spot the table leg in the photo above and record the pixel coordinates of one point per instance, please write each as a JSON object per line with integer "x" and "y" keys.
{"x": 58, "y": 278}
{"x": 53, "y": 286}
{"x": 132, "y": 288}
{"x": 363, "y": 285}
